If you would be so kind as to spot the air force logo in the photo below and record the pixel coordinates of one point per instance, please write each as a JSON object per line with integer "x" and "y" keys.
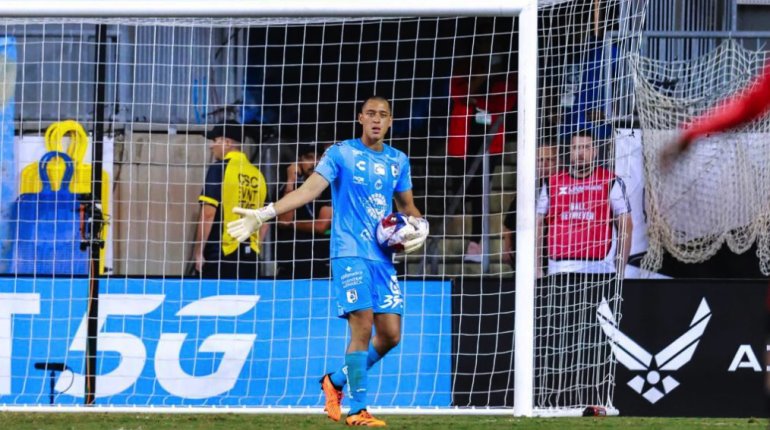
{"x": 671, "y": 358}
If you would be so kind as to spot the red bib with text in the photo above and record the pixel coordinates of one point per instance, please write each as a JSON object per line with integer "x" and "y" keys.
{"x": 579, "y": 216}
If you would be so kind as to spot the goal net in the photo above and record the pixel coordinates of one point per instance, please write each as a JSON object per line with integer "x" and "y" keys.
{"x": 108, "y": 180}
{"x": 718, "y": 195}
{"x": 585, "y": 101}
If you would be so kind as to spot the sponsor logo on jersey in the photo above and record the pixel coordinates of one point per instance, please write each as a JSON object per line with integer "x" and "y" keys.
{"x": 352, "y": 295}
{"x": 376, "y": 206}
{"x": 577, "y": 189}
{"x": 366, "y": 235}
{"x": 359, "y": 180}
{"x": 379, "y": 169}
{"x": 350, "y": 280}
{"x": 361, "y": 165}
{"x": 378, "y": 184}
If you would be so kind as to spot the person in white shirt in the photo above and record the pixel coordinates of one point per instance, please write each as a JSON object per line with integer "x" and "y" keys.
{"x": 580, "y": 207}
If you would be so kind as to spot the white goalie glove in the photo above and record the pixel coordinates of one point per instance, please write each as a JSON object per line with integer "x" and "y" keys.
{"x": 415, "y": 240}
{"x": 251, "y": 220}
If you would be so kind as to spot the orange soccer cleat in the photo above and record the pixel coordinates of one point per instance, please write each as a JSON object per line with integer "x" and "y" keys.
{"x": 333, "y": 398}
{"x": 364, "y": 418}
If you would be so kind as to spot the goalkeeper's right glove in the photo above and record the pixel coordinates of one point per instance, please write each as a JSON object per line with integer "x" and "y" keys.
{"x": 251, "y": 220}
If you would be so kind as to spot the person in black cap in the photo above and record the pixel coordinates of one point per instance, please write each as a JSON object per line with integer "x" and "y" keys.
{"x": 232, "y": 181}
{"x": 303, "y": 234}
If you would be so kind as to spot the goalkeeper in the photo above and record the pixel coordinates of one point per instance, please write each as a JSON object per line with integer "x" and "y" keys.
{"x": 749, "y": 104}
{"x": 366, "y": 175}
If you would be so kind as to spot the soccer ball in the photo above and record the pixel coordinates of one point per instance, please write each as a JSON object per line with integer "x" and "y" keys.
{"x": 392, "y": 232}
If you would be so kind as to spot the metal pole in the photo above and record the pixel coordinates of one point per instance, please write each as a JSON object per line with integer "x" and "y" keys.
{"x": 734, "y": 15}
{"x": 93, "y": 213}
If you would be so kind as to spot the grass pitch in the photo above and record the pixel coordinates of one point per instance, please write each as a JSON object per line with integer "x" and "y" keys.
{"x": 87, "y": 421}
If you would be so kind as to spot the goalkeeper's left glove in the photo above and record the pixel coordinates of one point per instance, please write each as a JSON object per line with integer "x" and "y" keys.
{"x": 415, "y": 240}
{"x": 251, "y": 220}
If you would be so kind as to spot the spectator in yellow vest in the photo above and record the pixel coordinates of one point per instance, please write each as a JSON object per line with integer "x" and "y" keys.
{"x": 232, "y": 181}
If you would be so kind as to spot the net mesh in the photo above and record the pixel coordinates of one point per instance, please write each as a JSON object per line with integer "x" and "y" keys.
{"x": 169, "y": 337}
{"x": 585, "y": 76}
{"x": 718, "y": 194}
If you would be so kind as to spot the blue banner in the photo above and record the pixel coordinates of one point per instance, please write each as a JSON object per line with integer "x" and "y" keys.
{"x": 202, "y": 342}
{"x": 7, "y": 155}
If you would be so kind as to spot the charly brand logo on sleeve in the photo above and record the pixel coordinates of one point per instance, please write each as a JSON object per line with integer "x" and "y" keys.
{"x": 653, "y": 386}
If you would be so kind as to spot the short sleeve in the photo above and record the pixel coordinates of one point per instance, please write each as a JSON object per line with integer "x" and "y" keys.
{"x": 405, "y": 178}
{"x": 543, "y": 200}
{"x": 212, "y": 189}
{"x": 329, "y": 166}
{"x": 619, "y": 198}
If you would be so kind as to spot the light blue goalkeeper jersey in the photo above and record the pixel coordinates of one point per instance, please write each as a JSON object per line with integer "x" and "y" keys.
{"x": 363, "y": 182}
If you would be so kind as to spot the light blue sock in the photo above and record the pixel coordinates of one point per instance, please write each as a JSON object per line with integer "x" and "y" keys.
{"x": 372, "y": 356}
{"x": 340, "y": 377}
{"x": 357, "y": 374}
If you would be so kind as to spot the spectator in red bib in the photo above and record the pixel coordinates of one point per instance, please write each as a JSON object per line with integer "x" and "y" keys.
{"x": 579, "y": 207}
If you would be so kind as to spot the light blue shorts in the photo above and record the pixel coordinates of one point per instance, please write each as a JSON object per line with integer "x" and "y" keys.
{"x": 366, "y": 284}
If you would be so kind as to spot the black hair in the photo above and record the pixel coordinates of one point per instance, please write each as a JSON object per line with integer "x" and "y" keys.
{"x": 584, "y": 132}
{"x": 307, "y": 149}
{"x": 373, "y": 97}
{"x": 230, "y": 129}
